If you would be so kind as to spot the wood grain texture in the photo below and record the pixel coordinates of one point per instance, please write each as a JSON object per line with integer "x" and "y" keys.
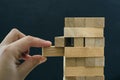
{"x": 95, "y": 22}
{"x": 78, "y": 42}
{"x": 83, "y": 32}
{"x": 83, "y": 71}
{"x": 94, "y": 42}
{"x": 59, "y": 41}
{"x": 95, "y": 61}
{"x": 95, "y": 78}
{"x": 53, "y": 51}
{"x": 84, "y": 52}
{"x": 74, "y": 22}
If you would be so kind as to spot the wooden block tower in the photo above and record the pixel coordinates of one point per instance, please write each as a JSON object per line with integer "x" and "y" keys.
{"x": 82, "y": 47}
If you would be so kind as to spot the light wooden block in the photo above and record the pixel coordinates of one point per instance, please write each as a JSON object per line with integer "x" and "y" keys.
{"x": 83, "y": 32}
{"x": 70, "y": 62}
{"x": 80, "y": 61}
{"x": 95, "y": 78}
{"x": 74, "y": 22}
{"x": 80, "y": 78}
{"x": 53, "y": 51}
{"x": 94, "y": 62}
{"x": 78, "y": 42}
{"x": 83, "y": 71}
{"x": 70, "y": 78}
{"x": 84, "y": 52}
{"x": 95, "y": 22}
{"x": 94, "y": 42}
{"x": 59, "y": 41}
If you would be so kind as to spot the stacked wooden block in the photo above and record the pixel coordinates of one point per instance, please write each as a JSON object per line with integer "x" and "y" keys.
{"x": 82, "y": 47}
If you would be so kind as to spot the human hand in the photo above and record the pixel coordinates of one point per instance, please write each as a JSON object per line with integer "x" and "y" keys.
{"x": 14, "y": 47}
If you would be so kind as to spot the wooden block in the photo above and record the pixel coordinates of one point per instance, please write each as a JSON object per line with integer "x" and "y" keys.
{"x": 94, "y": 42}
{"x": 80, "y": 61}
{"x": 74, "y": 22}
{"x": 80, "y": 78}
{"x": 84, "y": 52}
{"x": 95, "y": 78}
{"x": 78, "y": 42}
{"x": 83, "y": 71}
{"x": 59, "y": 41}
{"x": 70, "y": 62}
{"x": 83, "y": 32}
{"x": 95, "y": 22}
{"x": 70, "y": 78}
{"x": 53, "y": 51}
{"x": 94, "y": 61}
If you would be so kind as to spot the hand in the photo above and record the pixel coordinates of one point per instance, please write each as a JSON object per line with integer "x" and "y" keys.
{"x": 14, "y": 47}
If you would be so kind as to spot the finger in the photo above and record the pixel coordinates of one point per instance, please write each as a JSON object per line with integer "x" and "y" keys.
{"x": 22, "y": 45}
{"x": 12, "y": 36}
{"x": 25, "y": 68}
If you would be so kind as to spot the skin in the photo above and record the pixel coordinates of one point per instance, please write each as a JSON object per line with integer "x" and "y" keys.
{"x": 14, "y": 47}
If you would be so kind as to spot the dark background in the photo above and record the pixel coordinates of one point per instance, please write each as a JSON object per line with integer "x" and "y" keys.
{"x": 45, "y": 19}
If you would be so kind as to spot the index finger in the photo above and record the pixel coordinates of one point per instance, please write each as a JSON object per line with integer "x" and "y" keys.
{"x": 25, "y": 43}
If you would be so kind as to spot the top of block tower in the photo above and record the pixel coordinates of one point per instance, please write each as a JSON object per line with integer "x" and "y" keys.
{"x": 98, "y": 22}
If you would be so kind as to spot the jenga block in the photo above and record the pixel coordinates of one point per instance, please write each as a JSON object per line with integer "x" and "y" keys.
{"x": 70, "y": 78}
{"x": 78, "y": 42}
{"x": 70, "y": 62}
{"x": 94, "y": 61}
{"x": 95, "y": 22}
{"x": 80, "y": 61}
{"x": 74, "y": 22}
{"x": 80, "y": 78}
{"x": 53, "y": 51}
{"x": 59, "y": 42}
{"x": 95, "y": 78}
{"x": 83, "y": 32}
{"x": 84, "y": 52}
{"x": 94, "y": 42}
{"x": 83, "y": 71}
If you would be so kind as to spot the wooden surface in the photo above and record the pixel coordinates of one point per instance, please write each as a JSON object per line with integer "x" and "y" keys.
{"x": 84, "y": 52}
{"x": 84, "y": 22}
{"x": 53, "y": 51}
{"x": 59, "y": 41}
{"x": 83, "y": 32}
{"x": 95, "y": 61}
{"x": 84, "y": 71}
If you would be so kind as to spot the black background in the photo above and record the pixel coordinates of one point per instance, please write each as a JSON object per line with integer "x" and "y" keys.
{"x": 45, "y": 19}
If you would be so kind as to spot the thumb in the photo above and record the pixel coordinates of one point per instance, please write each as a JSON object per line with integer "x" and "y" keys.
{"x": 26, "y": 67}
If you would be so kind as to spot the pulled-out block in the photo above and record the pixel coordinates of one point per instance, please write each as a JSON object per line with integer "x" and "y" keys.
{"x": 84, "y": 52}
{"x": 95, "y": 78}
{"x": 94, "y": 62}
{"x": 74, "y": 22}
{"x": 95, "y": 22}
{"x": 94, "y": 42}
{"x": 83, "y": 32}
{"x": 84, "y": 71}
{"x": 53, "y": 51}
{"x": 59, "y": 41}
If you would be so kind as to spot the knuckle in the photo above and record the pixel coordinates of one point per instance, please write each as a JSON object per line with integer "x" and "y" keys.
{"x": 14, "y": 30}
{"x": 7, "y": 49}
{"x": 29, "y": 38}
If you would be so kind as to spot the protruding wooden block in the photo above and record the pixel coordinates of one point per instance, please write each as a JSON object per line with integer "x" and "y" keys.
{"x": 80, "y": 61}
{"x": 95, "y": 78}
{"x": 78, "y": 42}
{"x": 84, "y": 52}
{"x": 95, "y": 22}
{"x": 94, "y": 42}
{"x": 95, "y": 62}
{"x": 83, "y": 32}
{"x": 83, "y": 71}
{"x": 59, "y": 41}
{"x": 53, "y": 51}
{"x": 74, "y": 22}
